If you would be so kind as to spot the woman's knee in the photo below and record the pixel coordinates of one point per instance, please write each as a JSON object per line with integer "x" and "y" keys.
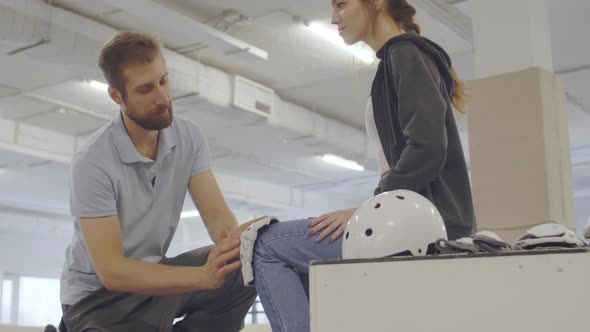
{"x": 270, "y": 237}
{"x": 282, "y": 230}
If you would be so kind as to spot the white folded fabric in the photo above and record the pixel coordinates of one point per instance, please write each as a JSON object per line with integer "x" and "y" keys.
{"x": 550, "y": 235}
{"x": 247, "y": 240}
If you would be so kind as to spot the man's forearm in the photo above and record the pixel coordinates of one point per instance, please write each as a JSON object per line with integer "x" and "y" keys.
{"x": 133, "y": 276}
{"x": 221, "y": 226}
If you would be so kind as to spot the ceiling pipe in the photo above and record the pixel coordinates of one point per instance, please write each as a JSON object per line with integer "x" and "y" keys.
{"x": 197, "y": 33}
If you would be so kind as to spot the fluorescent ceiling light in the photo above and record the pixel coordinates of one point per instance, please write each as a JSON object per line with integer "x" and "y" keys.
{"x": 339, "y": 161}
{"x": 189, "y": 214}
{"x": 359, "y": 50}
{"x": 99, "y": 85}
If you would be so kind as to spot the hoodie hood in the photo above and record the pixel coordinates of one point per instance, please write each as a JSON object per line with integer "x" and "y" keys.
{"x": 433, "y": 50}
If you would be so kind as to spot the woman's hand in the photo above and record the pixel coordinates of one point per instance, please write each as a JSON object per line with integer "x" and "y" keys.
{"x": 331, "y": 223}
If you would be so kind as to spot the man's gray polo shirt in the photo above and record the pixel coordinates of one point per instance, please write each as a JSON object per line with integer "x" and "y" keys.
{"x": 109, "y": 177}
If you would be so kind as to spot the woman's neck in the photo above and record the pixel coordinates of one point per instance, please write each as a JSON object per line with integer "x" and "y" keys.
{"x": 385, "y": 29}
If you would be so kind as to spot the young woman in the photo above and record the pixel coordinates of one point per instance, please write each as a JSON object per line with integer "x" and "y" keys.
{"x": 410, "y": 120}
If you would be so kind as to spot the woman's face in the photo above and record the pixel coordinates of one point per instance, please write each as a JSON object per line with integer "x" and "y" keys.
{"x": 353, "y": 20}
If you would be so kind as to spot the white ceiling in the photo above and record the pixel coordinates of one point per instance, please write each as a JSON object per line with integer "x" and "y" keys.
{"x": 301, "y": 68}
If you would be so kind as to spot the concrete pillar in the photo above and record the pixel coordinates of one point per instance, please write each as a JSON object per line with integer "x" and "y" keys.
{"x": 511, "y": 35}
{"x": 517, "y": 121}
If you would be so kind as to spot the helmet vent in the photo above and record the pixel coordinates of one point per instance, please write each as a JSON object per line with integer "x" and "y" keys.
{"x": 347, "y": 234}
{"x": 369, "y": 232}
{"x": 400, "y": 197}
{"x": 378, "y": 205}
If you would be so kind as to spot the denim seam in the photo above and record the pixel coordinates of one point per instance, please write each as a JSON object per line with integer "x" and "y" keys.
{"x": 281, "y": 237}
{"x": 260, "y": 275}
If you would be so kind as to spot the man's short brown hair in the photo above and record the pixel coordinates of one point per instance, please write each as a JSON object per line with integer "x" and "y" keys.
{"x": 126, "y": 47}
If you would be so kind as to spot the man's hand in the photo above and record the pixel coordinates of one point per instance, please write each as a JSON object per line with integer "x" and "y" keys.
{"x": 217, "y": 268}
{"x": 241, "y": 228}
{"x": 334, "y": 222}
{"x": 228, "y": 248}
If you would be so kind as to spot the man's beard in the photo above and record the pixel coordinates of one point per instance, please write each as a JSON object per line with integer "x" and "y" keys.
{"x": 152, "y": 121}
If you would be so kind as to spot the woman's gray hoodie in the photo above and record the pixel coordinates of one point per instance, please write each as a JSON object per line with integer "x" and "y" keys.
{"x": 411, "y": 96}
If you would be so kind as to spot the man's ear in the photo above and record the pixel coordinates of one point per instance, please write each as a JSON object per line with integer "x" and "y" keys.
{"x": 115, "y": 96}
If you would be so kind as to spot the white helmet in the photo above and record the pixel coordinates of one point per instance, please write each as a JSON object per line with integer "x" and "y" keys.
{"x": 393, "y": 223}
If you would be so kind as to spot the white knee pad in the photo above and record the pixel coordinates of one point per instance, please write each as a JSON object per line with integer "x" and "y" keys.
{"x": 247, "y": 240}
{"x": 550, "y": 235}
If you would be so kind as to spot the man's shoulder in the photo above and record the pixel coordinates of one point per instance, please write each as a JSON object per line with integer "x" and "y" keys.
{"x": 188, "y": 130}
{"x": 97, "y": 148}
